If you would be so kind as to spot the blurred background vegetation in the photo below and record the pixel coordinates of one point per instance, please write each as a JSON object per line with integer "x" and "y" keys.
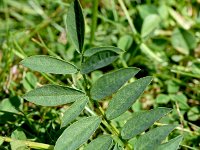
{"x": 162, "y": 38}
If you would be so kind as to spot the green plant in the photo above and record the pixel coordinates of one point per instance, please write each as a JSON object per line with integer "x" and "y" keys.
{"x": 117, "y": 87}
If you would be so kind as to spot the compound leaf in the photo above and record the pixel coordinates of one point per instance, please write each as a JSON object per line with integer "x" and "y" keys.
{"x": 153, "y": 138}
{"x": 53, "y": 95}
{"x": 74, "y": 110}
{"x": 95, "y": 50}
{"x": 75, "y": 25}
{"x": 103, "y": 142}
{"x": 141, "y": 121}
{"x": 98, "y": 60}
{"x": 126, "y": 96}
{"x": 77, "y": 133}
{"x": 173, "y": 144}
{"x": 49, "y": 64}
{"x": 111, "y": 82}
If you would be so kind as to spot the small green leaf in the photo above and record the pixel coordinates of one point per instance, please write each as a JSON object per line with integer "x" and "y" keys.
{"x": 53, "y": 95}
{"x": 126, "y": 96}
{"x": 147, "y": 9}
{"x": 95, "y": 50}
{"x": 173, "y": 144}
{"x": 49, "y": 64}
{"x": 74, "y": 110}
{"x": 98, "y": 60}
{"x": 76, "y": 25}
{"x": 1, "y": 141}
{"x": 103, "y": 142}
{"x": 125, "y": 42}
{"x": 29, "y": 81}
{"x": 18, "y": 135}
{"x": 111, "y": 82}
{"x": 150, "y": 23}
{"x": 183, "y": 41}
{"x": 13, "y": 105}
{"x": 153, "y": 138}
{"x": 77, "y": 133}
{"x": 117, "y": 147}
{"x": 162, "y": 99}
{"x": 141, "y": 121}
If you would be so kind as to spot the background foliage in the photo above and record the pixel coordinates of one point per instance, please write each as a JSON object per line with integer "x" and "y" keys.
{"x": 170, "y": 52}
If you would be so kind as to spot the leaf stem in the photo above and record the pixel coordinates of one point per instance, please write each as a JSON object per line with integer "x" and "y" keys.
{"x": 30, "y": 144}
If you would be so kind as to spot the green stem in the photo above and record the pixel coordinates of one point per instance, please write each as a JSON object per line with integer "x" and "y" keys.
{"x": 30, "y": 144}
{"x": 128, "y": 16}
{"x": 94, "y": 20}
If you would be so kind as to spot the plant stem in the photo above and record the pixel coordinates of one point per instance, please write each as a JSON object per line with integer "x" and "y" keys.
{"x": 128, "y": 16}
{"x": 30, "y": 144}
{"x": 94, "y": 20}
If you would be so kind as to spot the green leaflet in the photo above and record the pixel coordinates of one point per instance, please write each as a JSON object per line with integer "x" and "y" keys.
{"x": 74, "y": 110}
{"x": 18, "y": 135}
{"x": 183, "y": 41}
{"x": 150, "y": 23}
{"x": 103, "y": 142}
{"x": 77, "y": 133}
{"x": 98, "y": 60}
{"x": 95, "y": 50}
{"x": 153, "y": 138}
{"x": 126, "y": 96}
{"x": 117, "y": 147}
{"x": 141, "y": 121}
{"x": 53, "y": 95}
{"x": 49, "y": 64}
{"x": 125, "y": 42}
{"x": 111, "y": 82}
{"x": 173, "y": 144}
{"x": 76, "y": 25}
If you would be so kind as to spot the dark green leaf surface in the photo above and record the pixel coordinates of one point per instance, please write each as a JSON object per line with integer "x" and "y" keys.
{"x": 173, "y": 144}
{"x": 153, "y": 138}
{"x": 95, "y": 50}
{"x": 150, "y": 23}
{"x": 77, "y": 133}
{"x": 49, "y": 64}
{"x": 141, "y": 121}
{"x": 103, "y": 142}
{"x": 76, "y": 25}
{"x": 126, "y": 96}
{"x": 74, "y": 110}
{"x": 111, "y": 82}
{"x": 98, "y": 60}
{"x": 53, "y": 95}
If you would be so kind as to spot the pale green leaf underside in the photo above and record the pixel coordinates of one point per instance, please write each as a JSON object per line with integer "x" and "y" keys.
{"x": 53, "y": 95}
{"x": 98, "y": 60}
{"x": 150, "y": 23}
{"x": 77, "y": 133}
{"x": 95, "y": 50}
{"x": 49, "y": 64}
{"x": 141, "y": 121}
{"x": 18, "y": 135}
{"x": 173, "y": 144}
{"x": 75, "y": 25}
{"x": 153, "y": 138}
{"x": 111, "y": 82}
{"x": 74, "y": 110}
{"x": 126, "y": 96}
{"x": 183, "y": 41}
{"x": 103, "y": 142}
